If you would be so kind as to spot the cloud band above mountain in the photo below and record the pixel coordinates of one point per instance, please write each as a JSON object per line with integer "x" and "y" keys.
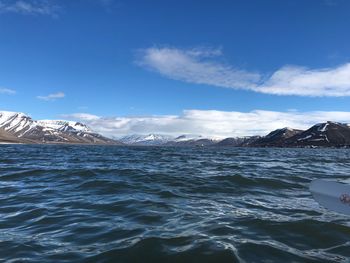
{"x": 200, "y": 66}
{"x": 209, "y": 122}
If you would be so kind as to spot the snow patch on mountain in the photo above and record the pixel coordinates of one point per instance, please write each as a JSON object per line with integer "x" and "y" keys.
{"x": 322, "y": 127}
{"x": 66, "y": 126}
{"x": 16, "y": 122}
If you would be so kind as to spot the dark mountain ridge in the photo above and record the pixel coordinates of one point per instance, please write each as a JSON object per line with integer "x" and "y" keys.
{"x": 329, "y": 134}
{"x": 276, "y": 138}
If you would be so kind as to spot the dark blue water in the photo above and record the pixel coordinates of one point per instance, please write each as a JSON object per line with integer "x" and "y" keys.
{"x": 150, "y": 204}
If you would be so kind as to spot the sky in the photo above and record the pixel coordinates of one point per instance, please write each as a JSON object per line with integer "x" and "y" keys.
{"x": 216, "y": 68}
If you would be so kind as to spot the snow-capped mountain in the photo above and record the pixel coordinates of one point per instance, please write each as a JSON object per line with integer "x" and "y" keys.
{"x": 16, "y": 123}
{"x": 65, "y": 126}
{"x": 167, "y": 140}
{"x": 193, "y": 140}
{"x": 323, "y": 134}
{"x": 150, "y": 139}
{"x": 49, "y": 131}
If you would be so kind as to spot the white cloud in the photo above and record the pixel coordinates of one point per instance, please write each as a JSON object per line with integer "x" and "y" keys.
{"x": 82, "y": 116}
{"x": 210, "y": 122}
{"x": 306, "y": 82}
{"x": 29, "y": 7}
{"x": 200, "y": 67}
{"x": 7, "y": 91}
{"x": 196, "y": 66}
{"x": 52, "y": 97}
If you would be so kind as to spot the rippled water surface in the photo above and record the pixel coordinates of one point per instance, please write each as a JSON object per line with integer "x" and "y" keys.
{"x": 153, "y": 204}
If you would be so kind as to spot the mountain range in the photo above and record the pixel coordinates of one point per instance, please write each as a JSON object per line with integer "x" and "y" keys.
{"x": 166, "y": 140}
{"x": 17, "y": 127}
{"x": 146, "y": 140}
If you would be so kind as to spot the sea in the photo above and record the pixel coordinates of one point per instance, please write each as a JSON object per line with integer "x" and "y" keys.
{"x": 61, "y": 203}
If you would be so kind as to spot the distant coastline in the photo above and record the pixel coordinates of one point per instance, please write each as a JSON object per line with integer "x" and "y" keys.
{"x": 18, "y": 128}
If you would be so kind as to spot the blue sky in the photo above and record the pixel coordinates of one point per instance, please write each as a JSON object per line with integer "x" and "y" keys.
{"x": 129, "y": 61}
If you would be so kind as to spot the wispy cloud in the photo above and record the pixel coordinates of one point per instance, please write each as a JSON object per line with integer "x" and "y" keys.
{"x": 82, "y": 116}
{"x": 196, "y": 66}
{"x": 201, "y": 66}
{"x": 52, "y": 97}
{"x": 7, "y": 91}
{"x": 29, "y": 7}
{"x": 209, "y": 122}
